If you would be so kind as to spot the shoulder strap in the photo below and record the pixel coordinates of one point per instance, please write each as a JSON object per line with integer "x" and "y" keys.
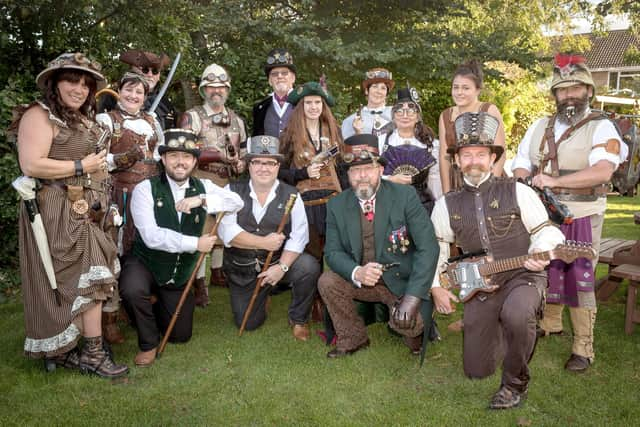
{"x": 484, "y": 107}
{"x": 450, "y": 135}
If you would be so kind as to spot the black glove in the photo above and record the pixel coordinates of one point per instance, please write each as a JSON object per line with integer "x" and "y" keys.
{"x": 405, "y": 313}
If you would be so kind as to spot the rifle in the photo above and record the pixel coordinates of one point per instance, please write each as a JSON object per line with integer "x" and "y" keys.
{"x": 267, "y": 263}
{"x": 187, "y": 288}
{"x": 558, "y": 211}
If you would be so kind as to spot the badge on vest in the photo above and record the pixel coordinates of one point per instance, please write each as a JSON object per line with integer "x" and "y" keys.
{"x": 159, "y": 203}
{"x": 494, "y": 204}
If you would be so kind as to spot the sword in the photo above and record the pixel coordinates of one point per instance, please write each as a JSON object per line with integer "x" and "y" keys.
{"x": 165, "y": 86}
{"x": 26, "y": 187}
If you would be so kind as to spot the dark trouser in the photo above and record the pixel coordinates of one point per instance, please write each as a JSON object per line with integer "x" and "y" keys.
{"x": 302, "y": 275}
{"x": 502, "y": 326}
{"x": 136, "y": 286}
{"x": 339, "y": 295}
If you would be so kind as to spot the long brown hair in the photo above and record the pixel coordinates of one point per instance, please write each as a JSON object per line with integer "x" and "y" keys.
{"x": 53, "y": 101}
{"x": 295, "y": 138}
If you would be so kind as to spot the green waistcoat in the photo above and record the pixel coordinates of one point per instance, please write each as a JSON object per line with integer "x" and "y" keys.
{"x": 170, "y": 269}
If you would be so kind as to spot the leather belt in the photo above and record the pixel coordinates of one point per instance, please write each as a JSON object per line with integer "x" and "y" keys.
{"x": 80, "y": 181}
{"x": 321, "y": 201}
{"x": 580, "y": 194}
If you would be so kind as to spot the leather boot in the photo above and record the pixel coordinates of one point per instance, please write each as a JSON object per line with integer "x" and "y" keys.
{"x": 69, "y": 360}
{"x": 95, "y": 360}
{"x": 217, "y": 278}
{"x": 201, "y": 292}
{"x": 110, "y": 330}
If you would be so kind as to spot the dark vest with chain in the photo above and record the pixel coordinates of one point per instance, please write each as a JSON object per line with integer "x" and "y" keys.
{"x": 274, "y": 124}
{"x": 494, "y": 204}
{"x": 170, "y": 269}
{"x": 268, "y": 224}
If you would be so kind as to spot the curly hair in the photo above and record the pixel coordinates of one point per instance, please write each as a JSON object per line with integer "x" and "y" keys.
{"x": 472, "y": 70}
{"x": 295, "y": 138}
{"x": 53, "y": 101}
{"x": 424, "y": 134}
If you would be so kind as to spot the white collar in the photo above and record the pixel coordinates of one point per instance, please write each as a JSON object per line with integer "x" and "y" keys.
{"x": 272, "y": 191}
{"x": 175, "y": 187}
{"x": 480, "y": 183}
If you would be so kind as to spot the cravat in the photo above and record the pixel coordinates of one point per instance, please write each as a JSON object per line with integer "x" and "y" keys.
{"x": 367, "y": 209}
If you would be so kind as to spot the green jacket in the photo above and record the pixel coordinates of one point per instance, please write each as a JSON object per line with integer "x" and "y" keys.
{"x": 396, "y": 206}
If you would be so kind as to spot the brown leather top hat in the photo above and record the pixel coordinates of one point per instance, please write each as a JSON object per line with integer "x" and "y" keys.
{"x": 140, "y": 58}
{"x": 279, "y": 58}
{"x": 378, "y": 75}
{"x": 361, "y": 149}
{"x": 476, "y": 130}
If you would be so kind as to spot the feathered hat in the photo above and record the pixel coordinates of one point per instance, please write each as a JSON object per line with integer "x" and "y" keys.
{"x": 569, "y": 70}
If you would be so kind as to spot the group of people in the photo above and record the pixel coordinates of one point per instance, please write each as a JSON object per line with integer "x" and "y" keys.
{"x": 128, "y": 200}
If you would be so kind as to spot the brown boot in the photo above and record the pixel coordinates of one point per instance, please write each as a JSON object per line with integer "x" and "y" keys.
{"x": 217, "y": 278}
{"x": 95, "y": 360}
{"x": 110, "y": 330}
{"x": 201, "y": 292}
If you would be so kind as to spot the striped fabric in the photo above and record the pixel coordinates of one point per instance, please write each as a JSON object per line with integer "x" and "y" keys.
{"x": 84, "y": 257}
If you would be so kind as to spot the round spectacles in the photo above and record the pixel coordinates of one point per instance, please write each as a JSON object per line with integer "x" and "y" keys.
{"x": 154, "y": 70}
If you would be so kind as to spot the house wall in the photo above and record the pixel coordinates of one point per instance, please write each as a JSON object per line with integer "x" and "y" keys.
{"x": 600, "y": 78}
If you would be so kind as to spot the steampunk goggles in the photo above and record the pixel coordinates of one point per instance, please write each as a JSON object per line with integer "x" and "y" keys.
{"x": 213, "y": 77}
{"x": 378, "y": 74}
{"x": 279, "y": 58}
{"x": 362, "y": 155}
{"x": 181, "y": 142}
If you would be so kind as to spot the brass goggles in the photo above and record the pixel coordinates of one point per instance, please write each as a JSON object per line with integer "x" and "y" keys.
{"x": 213, "y": 77}
{"x": 378, "y": 74}
{"x": 181, "y": 142}
{"x": 360, "y": 156}
{"x": 279, "y": 58}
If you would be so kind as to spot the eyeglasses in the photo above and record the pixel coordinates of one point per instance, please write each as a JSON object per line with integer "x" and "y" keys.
{"x": 181, "y": 142}
{"x": 378, "y": 74}
{"x": 284, "y": 73}
{"x": 266, "y": 163}
{"x": 361, "y": 155}
{"x": 409, "y": 111}
{"x": 212, "y": 77}
{"x": 279, "y": 58}
{"x": 146, "y": 70}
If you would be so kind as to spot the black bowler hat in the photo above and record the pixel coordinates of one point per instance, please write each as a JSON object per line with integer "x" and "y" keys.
{"x": 361, "y": 149}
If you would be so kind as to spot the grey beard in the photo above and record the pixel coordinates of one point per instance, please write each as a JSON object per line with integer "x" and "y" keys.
{"x": 218, "y": 102}
{"x": 572, "y": 110}
{"x": 366, "y": 193}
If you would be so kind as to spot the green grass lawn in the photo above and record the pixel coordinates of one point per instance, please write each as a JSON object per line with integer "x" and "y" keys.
{"x": 267, "y": 378}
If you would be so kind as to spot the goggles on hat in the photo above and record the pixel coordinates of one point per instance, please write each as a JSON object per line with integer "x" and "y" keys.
{"x": 181, "y": 142}
{"x": 378, "y": 74}
{"x": 361, "y": 156}
{"x": 213, "y": 77}
{"x": 279, "y": 58}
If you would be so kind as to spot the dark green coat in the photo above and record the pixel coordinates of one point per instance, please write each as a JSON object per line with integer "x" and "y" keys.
{"x": 396, "y": 206}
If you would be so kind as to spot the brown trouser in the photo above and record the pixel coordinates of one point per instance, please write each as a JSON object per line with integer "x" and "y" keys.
{"x": 503, "y": 326}
{"x": 339, "y": 295}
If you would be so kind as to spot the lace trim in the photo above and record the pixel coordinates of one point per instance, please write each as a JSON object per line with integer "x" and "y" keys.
{"x": 95, "y": 273}
{"x": 79, "y": 302}
{"x": 53, "y": 118}
{"x": 46, "y": 345}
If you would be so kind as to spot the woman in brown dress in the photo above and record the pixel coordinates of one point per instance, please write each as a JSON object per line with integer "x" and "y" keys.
{"x": 59, "y": 145}
{"x": 465, "y": 90}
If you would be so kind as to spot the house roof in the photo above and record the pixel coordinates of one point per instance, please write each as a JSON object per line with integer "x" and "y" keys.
{"x": 608, "y": 51}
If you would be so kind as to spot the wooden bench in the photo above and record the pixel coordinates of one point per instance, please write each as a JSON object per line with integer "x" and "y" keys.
{"x": 630, "y": 272}
{"x": 608, "y": 249}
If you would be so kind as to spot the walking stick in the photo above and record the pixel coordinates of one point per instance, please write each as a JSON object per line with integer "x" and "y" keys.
{"x": 187, "y": 288}
{"x": 283, "y": 222}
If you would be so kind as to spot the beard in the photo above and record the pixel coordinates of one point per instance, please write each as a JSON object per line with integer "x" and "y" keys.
{"x": 572, "y": 110}
{"x": 367, "y": 192}
{"x": 216, "y": 100}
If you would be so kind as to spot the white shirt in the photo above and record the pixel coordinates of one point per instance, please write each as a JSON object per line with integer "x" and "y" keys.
{"x": 276, "y": 106}
{"x": 368, "y": 120}
{"x": 165, "y": 239}
{"x": 605, "y": 131}
{"x": 299, "y": 236}
{"x": 532, "y": 213}
{"x": 433, "y": 179}
{"x": 137, "y": 125}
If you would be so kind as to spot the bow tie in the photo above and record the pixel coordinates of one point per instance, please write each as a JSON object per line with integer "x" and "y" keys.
{"x": 375, "y": 111}
{"x": 280, "y": 99}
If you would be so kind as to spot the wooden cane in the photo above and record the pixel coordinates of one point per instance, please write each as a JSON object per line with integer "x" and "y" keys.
{"x": 187, "y": 288}
{"x": 265, "y": 267}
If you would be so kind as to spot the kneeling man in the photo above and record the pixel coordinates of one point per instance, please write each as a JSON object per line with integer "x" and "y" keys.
{"x": 380, "y": 247}
{"x": 251, "y": 234}
{"x": 169, "y": 212}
